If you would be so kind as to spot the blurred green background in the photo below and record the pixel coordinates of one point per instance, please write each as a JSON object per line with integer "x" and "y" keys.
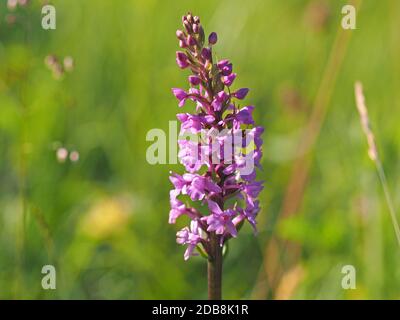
{"x": 102, "y": 220}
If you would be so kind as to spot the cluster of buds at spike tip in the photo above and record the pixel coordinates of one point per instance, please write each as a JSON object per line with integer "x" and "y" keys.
{"x": 218, "y": 192}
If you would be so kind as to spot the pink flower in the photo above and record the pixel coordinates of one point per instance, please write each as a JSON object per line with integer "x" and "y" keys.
{"x": 228, "y": 80}
{"x": 219, "y": 166}
{"x": 190, "y": 237}
{"x": 220, "y": 221}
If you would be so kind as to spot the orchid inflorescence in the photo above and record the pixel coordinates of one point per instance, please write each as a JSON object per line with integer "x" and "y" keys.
{"x": 221, "y": 165}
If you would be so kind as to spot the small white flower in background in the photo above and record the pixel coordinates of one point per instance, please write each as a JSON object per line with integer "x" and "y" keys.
{"x": 12, "y": 4}
{"x": 50, "y": 60}
{"x": 62, "y": 155}
{"x": 74, "y": 156}
{"x": 59, "y": 66}
{"x": 68, "y": 63}
{"x": 23, "y": 2}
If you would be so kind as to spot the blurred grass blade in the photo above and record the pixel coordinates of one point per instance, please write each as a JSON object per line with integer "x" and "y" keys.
{"x": 373, "y": 154}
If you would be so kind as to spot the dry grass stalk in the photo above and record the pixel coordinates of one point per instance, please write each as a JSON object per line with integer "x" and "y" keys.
{"x": 289, "y": 283}
{"x": 373, "y": 154}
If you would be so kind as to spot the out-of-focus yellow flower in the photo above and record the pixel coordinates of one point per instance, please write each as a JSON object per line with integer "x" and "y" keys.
{"x": 106, "y": 217}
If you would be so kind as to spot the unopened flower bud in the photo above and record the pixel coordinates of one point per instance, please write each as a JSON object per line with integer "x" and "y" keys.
{"x": 182, "y": 60}
{"x": 228, "y": 80}
{"x": 222, "y": 63}
{"x": 187, "y": 26}
{"x": 191, "y": 41}
{"x": 212, "y": 38}
{"x": 241, "y": 93}
{"x": 195, "y": 28}
{"x": 182, "y": 44}
{"x": 194, "y": 80}
{"x": 206, "y": 53}
{"x": 227, "y": 69}
{"x": 180, "y": 35}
